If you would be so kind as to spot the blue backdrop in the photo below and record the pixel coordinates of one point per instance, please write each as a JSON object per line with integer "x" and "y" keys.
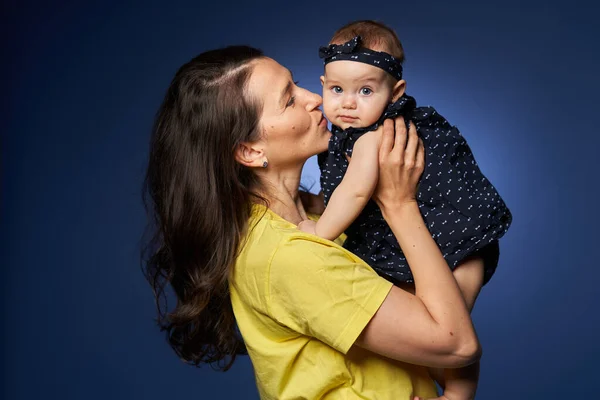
{"x": 82, "y": 83}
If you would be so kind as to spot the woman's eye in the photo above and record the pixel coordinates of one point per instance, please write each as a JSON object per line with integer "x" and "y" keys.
{"x": 337, "y": 89}
{"x": 365, "y": 91}
{"x": 291, "y": 101}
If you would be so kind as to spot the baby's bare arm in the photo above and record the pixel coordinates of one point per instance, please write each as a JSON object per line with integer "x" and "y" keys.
{"x": 351, "y": 196}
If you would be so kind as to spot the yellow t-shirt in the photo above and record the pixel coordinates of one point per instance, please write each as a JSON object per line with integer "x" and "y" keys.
{"x": 300, "y": 302}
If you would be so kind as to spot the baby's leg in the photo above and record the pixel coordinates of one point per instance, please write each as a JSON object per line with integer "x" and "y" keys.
{"x": 469, "y": 277}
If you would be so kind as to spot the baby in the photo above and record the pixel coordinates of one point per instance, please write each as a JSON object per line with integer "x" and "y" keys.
{"x": 362, "y": 86}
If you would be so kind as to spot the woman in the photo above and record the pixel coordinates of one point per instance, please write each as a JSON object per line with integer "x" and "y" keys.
{"x": 228, "y": 147}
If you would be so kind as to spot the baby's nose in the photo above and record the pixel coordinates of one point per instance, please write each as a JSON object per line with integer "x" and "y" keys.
{"x": 349, "y": 101}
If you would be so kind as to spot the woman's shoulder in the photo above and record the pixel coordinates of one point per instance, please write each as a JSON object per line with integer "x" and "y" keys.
{"x": 274, "y": 246}
{"x": 339, "y": 240}
{"x": 269, "y": 233}
{"x": 265, "y": 223}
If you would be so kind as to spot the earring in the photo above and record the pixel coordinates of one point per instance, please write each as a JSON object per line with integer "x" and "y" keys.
{"x": 265, "y": 164}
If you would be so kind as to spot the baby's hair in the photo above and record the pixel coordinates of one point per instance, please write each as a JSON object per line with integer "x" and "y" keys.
{"x": 374, "y": 35}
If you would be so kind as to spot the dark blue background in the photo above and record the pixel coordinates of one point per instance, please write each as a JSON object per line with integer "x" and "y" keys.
{"x": 81, "y": 83}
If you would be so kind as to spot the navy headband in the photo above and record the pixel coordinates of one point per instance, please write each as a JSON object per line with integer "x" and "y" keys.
{"x": 351, "y": 51}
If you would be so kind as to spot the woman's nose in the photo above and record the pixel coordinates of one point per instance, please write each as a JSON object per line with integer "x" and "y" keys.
{"x": 313, "y": 101}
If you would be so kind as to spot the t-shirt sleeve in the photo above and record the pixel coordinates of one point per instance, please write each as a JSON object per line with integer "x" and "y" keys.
{"x": 319, "y": 290}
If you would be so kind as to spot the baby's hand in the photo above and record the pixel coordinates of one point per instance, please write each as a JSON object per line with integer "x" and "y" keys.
{"x": 308, "y": 226}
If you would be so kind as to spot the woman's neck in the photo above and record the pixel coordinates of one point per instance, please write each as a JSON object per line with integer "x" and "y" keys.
{"x": 282, "y": 193}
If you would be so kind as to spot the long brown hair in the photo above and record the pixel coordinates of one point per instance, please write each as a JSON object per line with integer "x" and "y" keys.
{"x": 199, "y": 200}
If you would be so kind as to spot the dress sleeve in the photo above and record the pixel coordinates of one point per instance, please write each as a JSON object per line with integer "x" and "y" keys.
{"x": 320, "y": 290}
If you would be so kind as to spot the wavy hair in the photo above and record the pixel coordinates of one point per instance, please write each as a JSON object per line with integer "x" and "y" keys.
{"x": 198, "y": 199}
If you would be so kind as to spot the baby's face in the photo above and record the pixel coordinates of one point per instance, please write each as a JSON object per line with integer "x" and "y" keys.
{"x": 355, "y": 94}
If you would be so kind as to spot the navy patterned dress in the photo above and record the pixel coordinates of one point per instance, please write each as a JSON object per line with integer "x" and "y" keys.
{"x": 461, "y": 208}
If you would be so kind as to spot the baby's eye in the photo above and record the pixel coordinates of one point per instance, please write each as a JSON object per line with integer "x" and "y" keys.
{"x": 365, "y": 91}
{"x": 337, "y": 89}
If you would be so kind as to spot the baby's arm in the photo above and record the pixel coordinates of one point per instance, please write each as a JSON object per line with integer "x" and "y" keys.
{"x": 355, "y": 190}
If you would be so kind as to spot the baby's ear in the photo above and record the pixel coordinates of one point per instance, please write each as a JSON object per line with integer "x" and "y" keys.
{"x": 322, "y": 79}
{"x": 399, "y": 89}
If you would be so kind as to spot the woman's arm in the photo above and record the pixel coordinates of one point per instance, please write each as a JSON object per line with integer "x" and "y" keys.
{"x": 355, "y": 190}
{"x": 432, "y": 327}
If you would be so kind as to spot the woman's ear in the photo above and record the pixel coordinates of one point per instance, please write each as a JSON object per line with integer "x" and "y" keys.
{"x": 250, "y": 154}
{"x": 399, "y": 89}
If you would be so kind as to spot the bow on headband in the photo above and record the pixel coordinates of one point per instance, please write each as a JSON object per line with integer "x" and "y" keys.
{"x": 333, "y": 49}
{"x": 351, "y": 51}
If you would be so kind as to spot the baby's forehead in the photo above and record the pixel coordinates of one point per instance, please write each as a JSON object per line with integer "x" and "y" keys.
{"x": 353, "y": 71}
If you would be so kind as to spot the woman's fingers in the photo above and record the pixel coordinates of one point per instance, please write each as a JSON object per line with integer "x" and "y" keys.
{"x": 387, "y": 139}
{"x": 398, "y": 156}
{"x": 420, "y": 161}
{"x": 400, "y": 140}
{"x": 410, "y": 153}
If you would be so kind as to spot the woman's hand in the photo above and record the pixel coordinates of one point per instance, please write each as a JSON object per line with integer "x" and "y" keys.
{"x": 401, "y": 163}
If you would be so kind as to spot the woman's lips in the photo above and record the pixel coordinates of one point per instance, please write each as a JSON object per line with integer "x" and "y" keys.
{"x": 323, "y": 121}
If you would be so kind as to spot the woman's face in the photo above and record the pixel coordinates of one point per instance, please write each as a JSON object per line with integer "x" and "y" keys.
{"x": 293, "y": 127}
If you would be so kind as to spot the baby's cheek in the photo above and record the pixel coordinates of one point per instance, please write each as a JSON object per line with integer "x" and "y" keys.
{"x": 327, "y": 106}
{"x": 370, "y": 114}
